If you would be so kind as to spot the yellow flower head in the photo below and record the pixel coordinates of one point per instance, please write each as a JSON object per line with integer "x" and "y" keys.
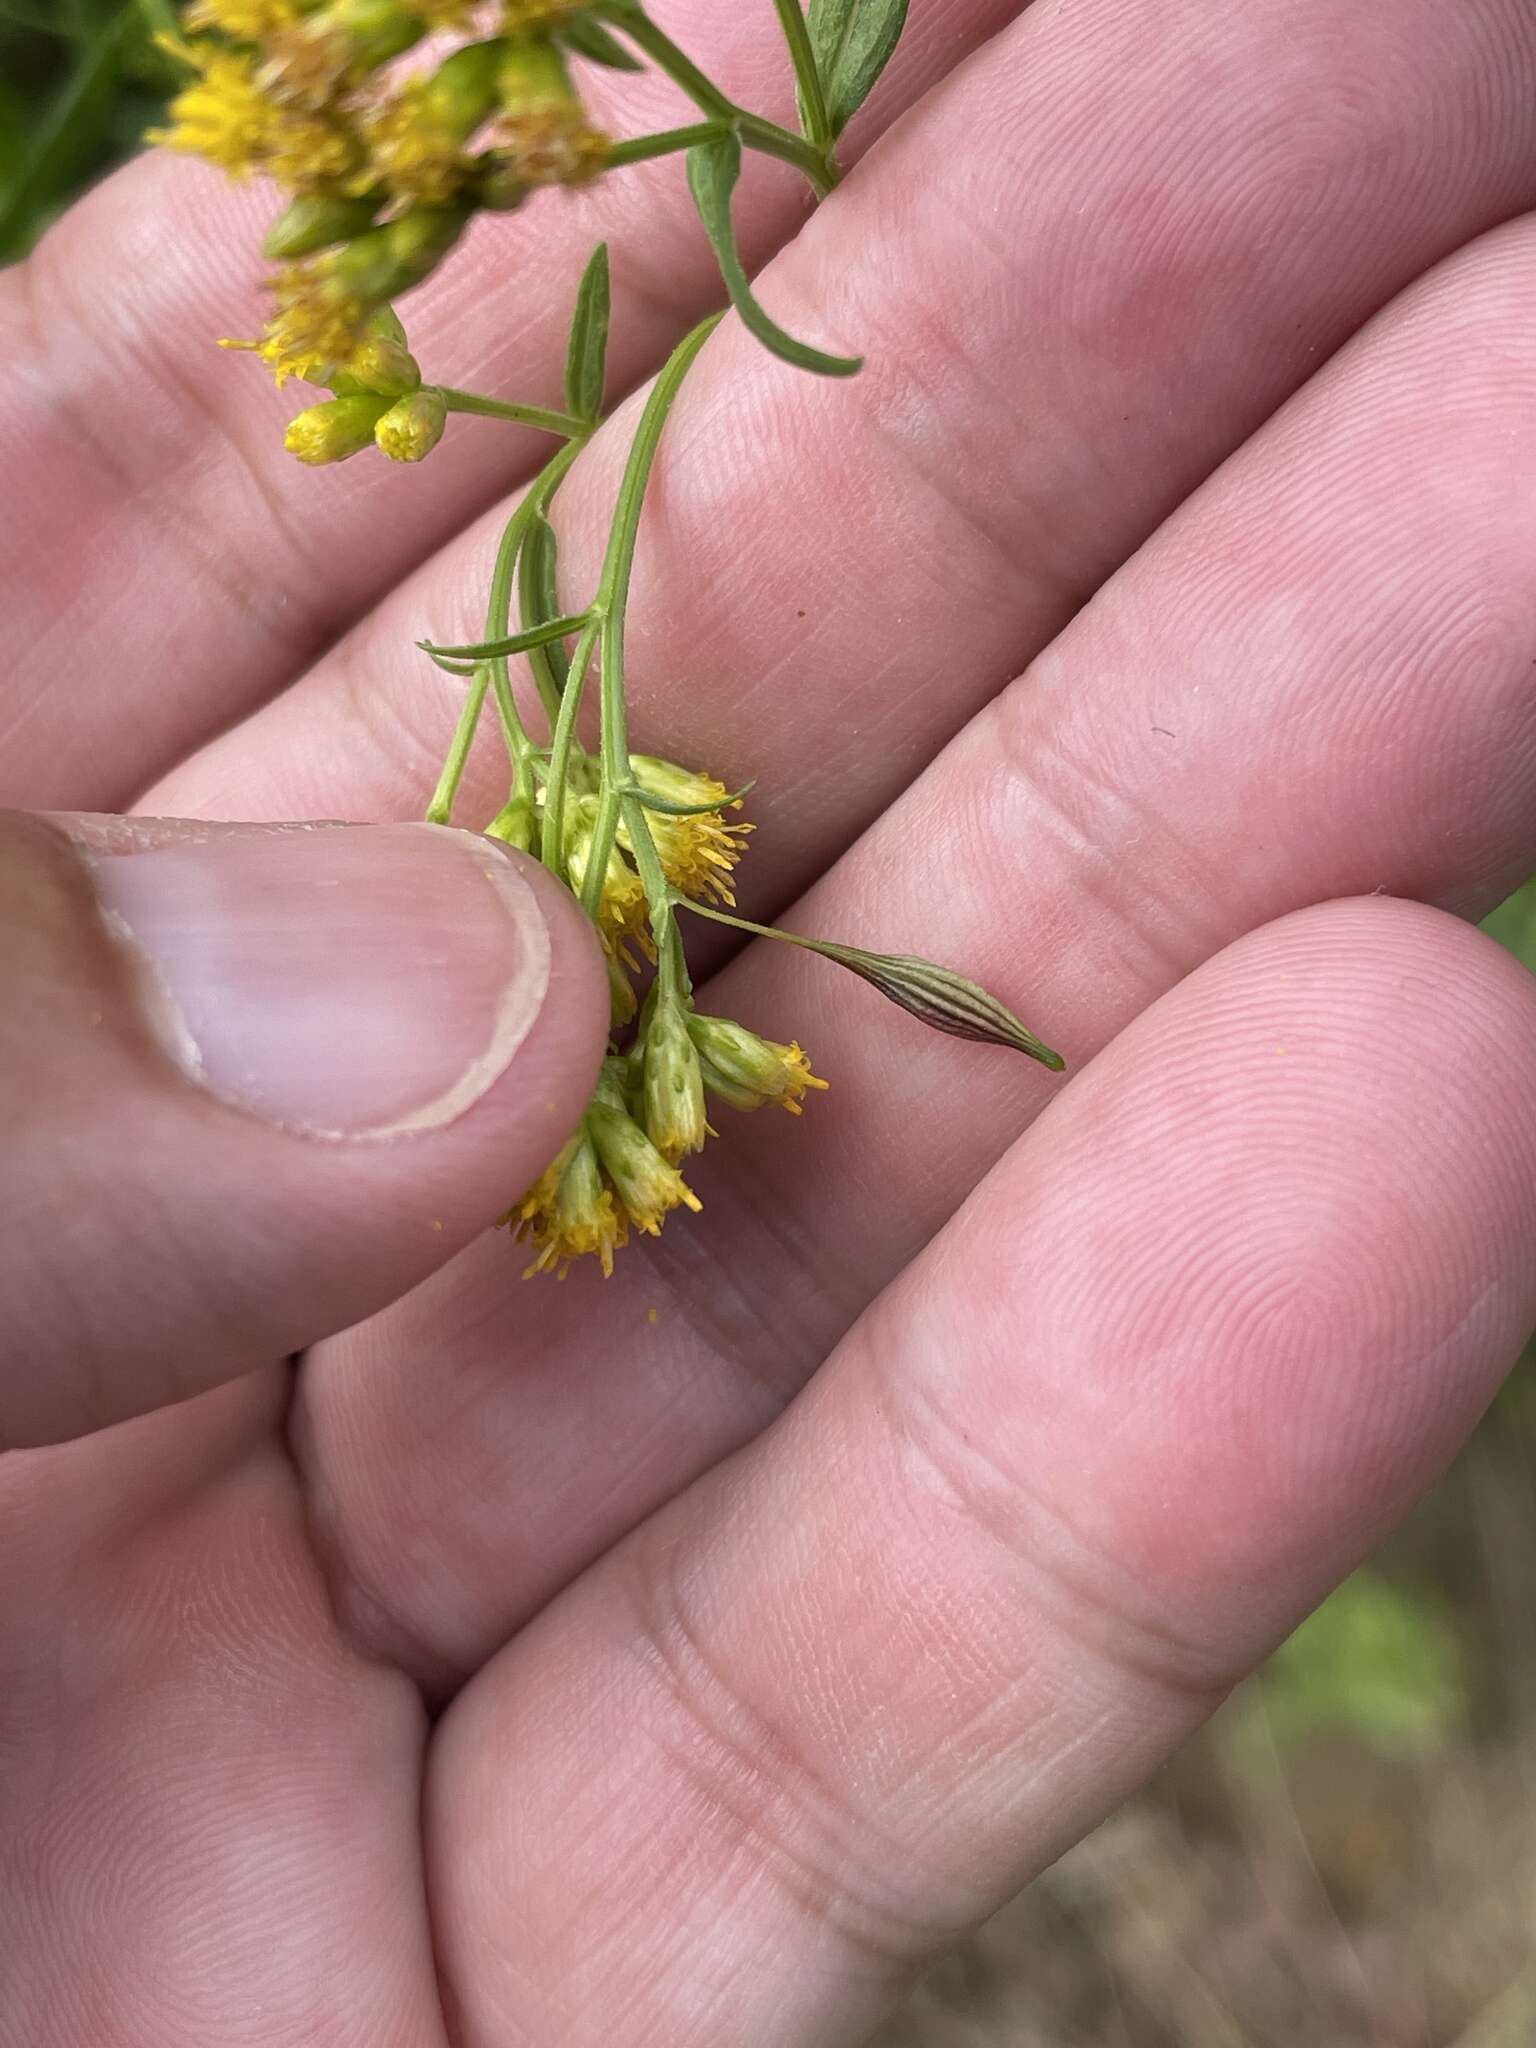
{"x": 410, "y": 151}
{"x": 569, "y": 1213}
{"x": 413, "y": 426}
{"x": 318, "y": 324}
{"x": 672, "y": 1084}
{"x": 608, "y": 1180}
{"x": 747, "y": 1071}
{"x": 338, "y": 46}
{"x": 699, "y": 852}
{"x": 550, "y": 146}
{"x": 623, "y": 915}
{"x": 649, "y": 1188}
{"x": 416, "y": 137}
{"x": 247, "y": 21}
{"x": 622, "y": 1000}
{"x": 225, "y": 117}
{"x": 229, "y": 118}
{"x": 335, "y": 430}
{"x": 543, "y": 136}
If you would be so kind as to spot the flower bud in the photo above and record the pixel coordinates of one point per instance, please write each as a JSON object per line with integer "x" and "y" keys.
{"x": 380, "y": 368}
{"x": 672, "y": 1084}
{"x": 648, "y": 1186}
{"x": 622, "y": 1001}
{"x": 568, "y": 1212}
{"x": 413, "y": 426}
{"x": 941, "y": 998}
{"x": 416, "y": 137}
{"x": 497, "y": 186}
{"x": 389, "y": 260}
{"x": 514, "y": 824}
{"x": 332, "y": 432}
{"x": 318, "y": 221}
{"x": 747, "y": 1071}
{"x": 532, "y": 76}
{"x": 544, "y": 137}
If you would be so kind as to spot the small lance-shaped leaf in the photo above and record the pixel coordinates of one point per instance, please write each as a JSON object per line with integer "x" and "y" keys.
{"x": 539, "y": 601}
{"x": 713, "y": 168}
{"x": 853, "y": 41}
{"x": 668, "y": 809}
{"x": 589, "y": 39}
{"x": 514, "y": 643}
{"x": 587, "y": 355}
{"x": 938, "y": 996}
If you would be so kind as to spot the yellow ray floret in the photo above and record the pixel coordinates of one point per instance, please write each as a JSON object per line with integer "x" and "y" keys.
{"x": 318, "y": 323}
{"x": 747, "y": 1071}
{"x": 569, "y": 1213}
{"x": 698, "y": 852}
{"x": 608, "y": 1179}
{"x": 224, "y": 117}
{"x": 248, "y": 21}
{"x": 228, "y": 118}
{"x": 413, "y": 153}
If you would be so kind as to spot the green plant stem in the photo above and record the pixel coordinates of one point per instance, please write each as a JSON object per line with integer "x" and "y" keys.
{"x": 524, "y": 415}
{"x": 542, "y": 489}
{"x": 813, "y": 100}
{"x": 497, "y": 618}
{"x": 440, "y": 810}
{"x": 642, "y": 147}
{"x": 768, "y": 136}
{"x": 552, "y": 842}
{"x": 610, "y": 604}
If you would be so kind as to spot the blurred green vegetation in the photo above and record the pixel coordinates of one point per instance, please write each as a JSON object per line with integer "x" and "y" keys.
{"x": 1366, "y": 1802}
{"x": 80, "y": 80}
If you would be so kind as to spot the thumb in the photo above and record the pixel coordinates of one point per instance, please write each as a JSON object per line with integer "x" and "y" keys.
{"x": 255, "y": 1082}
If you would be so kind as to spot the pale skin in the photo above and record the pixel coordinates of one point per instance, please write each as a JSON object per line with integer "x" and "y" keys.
{"x": 489, "y": 1663}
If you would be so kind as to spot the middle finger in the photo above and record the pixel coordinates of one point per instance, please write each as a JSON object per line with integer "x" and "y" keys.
{"x": 1313, "y": 681}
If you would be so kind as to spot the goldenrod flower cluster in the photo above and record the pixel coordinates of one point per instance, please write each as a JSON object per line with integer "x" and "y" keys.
{"x": 384, "y": 170}
{"x": 621, "y": 1170}
{"x": 697, "y": 844}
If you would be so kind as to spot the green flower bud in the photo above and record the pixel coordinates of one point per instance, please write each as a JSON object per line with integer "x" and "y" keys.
{"x": 533, "y": 78}
{"x": 672, "y": 1084}
{"x": 464, "y": 88}
{"x": 622, "y": 1001}
{"x": 497, "y": 185}
{"x": 318, "y": 221}
{"x": 413, "y": 426}
{"x": 747, "y": 1071}
{"x": 332, "y": 432}
{"x": 648, "y": 1186}
{"x": 514, "y": 824}
{"x": 941, "y": 998}
{"x": 375, "y": 31}
{"x": 390, "y": 260}
{"x": 381, "y": 369}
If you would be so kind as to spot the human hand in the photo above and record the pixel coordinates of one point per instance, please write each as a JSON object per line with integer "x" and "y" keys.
{"x": 560, "y": 1664}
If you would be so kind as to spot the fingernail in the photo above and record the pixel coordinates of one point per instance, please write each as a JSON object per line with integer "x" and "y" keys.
{"x": 347, "y": 981}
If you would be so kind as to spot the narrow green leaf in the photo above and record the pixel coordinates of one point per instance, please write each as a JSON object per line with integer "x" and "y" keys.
{"x": 514, "y": 643}
{"x": 538, "y": 598}
{"x": 589, "y": 39}
{"x": 668, "y": 809}
{"x": 586, "y": 358}
{"x": 853, "y": 41}
{"x": 713, "y": 169}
